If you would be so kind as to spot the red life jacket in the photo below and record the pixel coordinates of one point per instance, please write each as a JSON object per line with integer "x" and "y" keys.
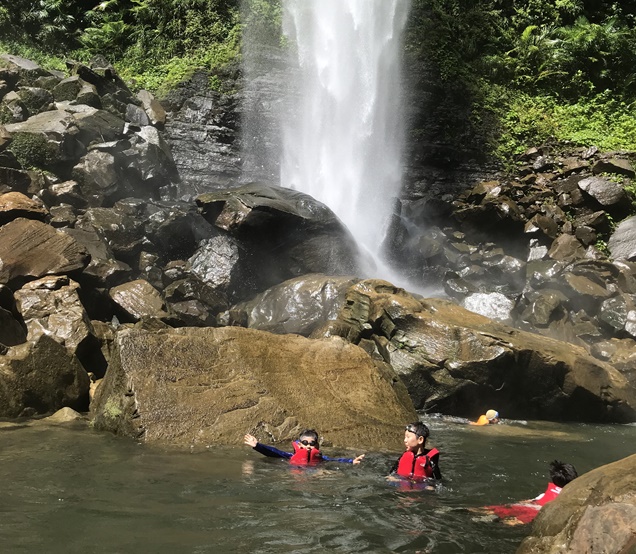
{"x": 302, "y": 456}
{"x": 548, "y": 496}
{"x": 416, "y": 467}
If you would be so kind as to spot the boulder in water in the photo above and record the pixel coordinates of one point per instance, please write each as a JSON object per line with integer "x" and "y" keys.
{"x": 194, "y": 387}
{"x": 595, "y": 514}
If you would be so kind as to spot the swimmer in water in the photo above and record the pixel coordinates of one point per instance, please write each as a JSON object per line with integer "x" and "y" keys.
{"x": 306, "y": 450}
{"x": 489, "y": 418}
{"x": 418, "y": 463}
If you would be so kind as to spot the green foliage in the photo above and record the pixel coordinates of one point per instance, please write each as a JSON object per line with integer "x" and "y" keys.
{"x": 32, "y": 150}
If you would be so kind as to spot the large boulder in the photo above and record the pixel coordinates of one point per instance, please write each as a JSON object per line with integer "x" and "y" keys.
{"x": 595, "y": 514}
{"x": 455, "y": 361}
{"x": 289, "y": 232}
{"x": 41, "y": 377}
{"x": 196, "y": 387}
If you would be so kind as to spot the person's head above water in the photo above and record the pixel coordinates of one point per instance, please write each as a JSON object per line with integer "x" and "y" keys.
{"x": 561, "y": 474}
{"x": 492, "y": 416}
{"x": 415, "y": 435}
{"x": 308, "y": 439}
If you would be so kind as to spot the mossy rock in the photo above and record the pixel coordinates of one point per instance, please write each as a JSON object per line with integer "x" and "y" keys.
{"x": 32, "y": 150}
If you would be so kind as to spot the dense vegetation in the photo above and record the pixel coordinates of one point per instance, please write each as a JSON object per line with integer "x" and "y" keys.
{"x": 501, "y": 74}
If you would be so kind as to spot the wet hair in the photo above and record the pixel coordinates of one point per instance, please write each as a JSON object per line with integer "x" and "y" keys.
{"x": 419, "y": 429}
{"x": 309, "y": 433}
{"x": 561, "y": 474}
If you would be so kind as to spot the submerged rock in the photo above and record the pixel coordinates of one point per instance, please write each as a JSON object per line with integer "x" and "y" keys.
{"x": 196, "y": 387}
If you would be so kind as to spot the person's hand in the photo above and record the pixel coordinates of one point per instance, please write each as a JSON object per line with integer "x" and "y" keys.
{"x": 250, "y": 440}
{"x": 358, "y": 459}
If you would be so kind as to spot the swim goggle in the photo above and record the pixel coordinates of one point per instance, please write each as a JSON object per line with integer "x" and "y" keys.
{"x": 413, "y": 429}
{"x": 308, "y": 443}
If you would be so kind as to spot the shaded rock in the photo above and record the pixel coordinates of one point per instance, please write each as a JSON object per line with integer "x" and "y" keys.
{"x": 149, "y": 158}
{"x": 197, "y": 387}
{"x": 595, "y": 513}
{"x": 614, "y": 165}
{"x": 545, "y": 306}
{"x": 36, "y": 99}
{"x": 124, "y": 233}
{"x": 298, "y": 306}
{"x": 40, "y": 377}
{"x": 16, "y": 204}
{"x": 138, "y": 299}
{"x": 104, "y": 269}
{"x": 30, "y": 249}
{"x": 622, "y": 243}
{"x": 12, "y": 332}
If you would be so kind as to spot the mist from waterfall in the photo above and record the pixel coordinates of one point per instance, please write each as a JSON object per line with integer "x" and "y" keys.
{"x": 342, "y": 137}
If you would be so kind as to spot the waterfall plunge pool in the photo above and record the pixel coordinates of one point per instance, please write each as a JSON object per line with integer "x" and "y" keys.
{"x": 72, "y": 490}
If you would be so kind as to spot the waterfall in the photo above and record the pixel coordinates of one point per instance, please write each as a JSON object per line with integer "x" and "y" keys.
{"x": 342, "y": 136}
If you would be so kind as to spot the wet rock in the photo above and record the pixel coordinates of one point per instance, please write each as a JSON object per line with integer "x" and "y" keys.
{"x": 492, "y": 305}
{"x": 450, "y": 358}
{"x": 30, "y": 249}
{"x": 595, "y": 513}
{"x": 138, "y": 299}
{"x": 199, "y": 387}
{"x": 290, "y": 233}
{"x": 220, "y": 263}
{"x": 622, "y": 243}
{"x": 41, "y": 377}
{"x": 545, "y": 306}
{"x": 298, "y": 306}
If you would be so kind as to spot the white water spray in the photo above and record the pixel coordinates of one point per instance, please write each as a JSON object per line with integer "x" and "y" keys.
{"x": 343, "y": 143}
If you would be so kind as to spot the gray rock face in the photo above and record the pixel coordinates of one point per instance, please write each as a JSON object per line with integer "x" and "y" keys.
{"x": 31, "y": 249}
{"x": 41, "y": 377}
{"x": 595, "y": 513}
{"x": 212, "y": 161}
{"x": 198, "y": 387}
{"x": 622, "y": 243}
{"x": 606, "y": 192}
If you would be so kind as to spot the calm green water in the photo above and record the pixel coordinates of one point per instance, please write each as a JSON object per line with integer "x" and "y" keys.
{"x": 72, "y": 491}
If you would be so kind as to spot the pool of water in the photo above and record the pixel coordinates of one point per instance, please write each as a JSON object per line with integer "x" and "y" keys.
{"x": 72, "y": 490}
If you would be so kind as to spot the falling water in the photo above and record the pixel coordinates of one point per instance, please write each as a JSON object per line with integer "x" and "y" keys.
{"x": 343, "y": 142}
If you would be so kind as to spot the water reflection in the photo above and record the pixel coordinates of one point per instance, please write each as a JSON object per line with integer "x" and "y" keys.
{"x": 71, "y": 491}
